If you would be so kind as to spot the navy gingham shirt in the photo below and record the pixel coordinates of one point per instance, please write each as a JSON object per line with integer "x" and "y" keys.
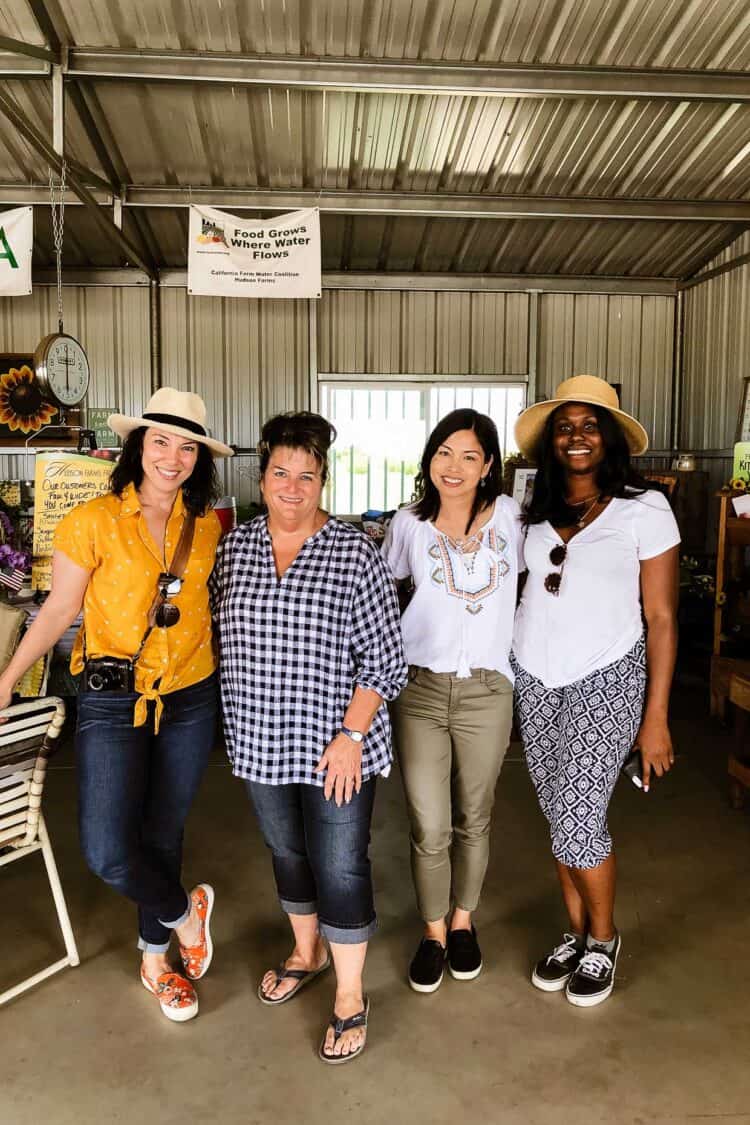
{"x": 293, "y": 649}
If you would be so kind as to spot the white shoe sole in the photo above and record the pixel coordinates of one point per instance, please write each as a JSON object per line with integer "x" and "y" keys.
{"x": 599, "y": 997}
{"x": 589, "y": 1001}
{"x": 549, "y": 985}
{"x": 466, "y": 976}
{"x": 210, "y": 895}
{"x": 426, "y": 987}
{"x": 176, "y": 1015}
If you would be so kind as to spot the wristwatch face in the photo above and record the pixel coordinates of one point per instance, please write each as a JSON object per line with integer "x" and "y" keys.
{"x": 64, "y": 370}
{"x": 355, "y": 735}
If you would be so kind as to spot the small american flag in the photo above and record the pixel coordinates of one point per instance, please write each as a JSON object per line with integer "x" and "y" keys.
{"x": 12, "y": 578}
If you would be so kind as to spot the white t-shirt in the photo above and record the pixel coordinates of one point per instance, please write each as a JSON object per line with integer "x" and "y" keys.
{"x": 596, "y": 617}
{"x": 461, "y": 614}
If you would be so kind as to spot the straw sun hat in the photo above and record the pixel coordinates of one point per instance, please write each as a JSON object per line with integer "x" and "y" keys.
{"x": 176, "y": 412}
{"x": 581, "y": 388}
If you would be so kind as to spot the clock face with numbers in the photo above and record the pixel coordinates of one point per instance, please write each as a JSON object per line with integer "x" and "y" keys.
{"x": 62, "y": 369}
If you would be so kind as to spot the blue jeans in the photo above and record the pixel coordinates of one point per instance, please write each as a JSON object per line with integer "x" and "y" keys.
{"x": 320, "y": 855}
{"x": 135, "y": 790}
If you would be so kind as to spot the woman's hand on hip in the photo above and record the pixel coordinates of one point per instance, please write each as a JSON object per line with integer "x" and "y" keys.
{"x": 655, "y": 744}
{"x": 342, "y": 759}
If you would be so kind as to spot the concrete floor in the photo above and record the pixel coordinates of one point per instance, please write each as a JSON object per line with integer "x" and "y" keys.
{"x": 89, "y": 1045}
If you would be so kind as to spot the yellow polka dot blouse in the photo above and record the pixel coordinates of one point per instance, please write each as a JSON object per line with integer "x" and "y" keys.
{"x": 109, "y": 537}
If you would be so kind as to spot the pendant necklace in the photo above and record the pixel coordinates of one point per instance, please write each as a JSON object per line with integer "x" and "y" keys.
{"x": 580, "y": 522}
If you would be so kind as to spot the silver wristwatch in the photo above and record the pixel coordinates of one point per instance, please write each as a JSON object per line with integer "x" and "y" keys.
{"x": 355, "y": 735}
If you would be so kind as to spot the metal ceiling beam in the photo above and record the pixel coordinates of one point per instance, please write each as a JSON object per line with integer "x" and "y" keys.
{"x": 437, "y": 205}
{"x": 106, "y": 227}
{"x": 23, "y": 66}
{"x": 495, "y": 283}
{"x": 46, "y": 24}
{"x": 717, "y": 271}
{"x": 30, "y": 50}
{"x": 466, "y": 283}
{"x": 403, "y": 76}
{"x": 447, "y": 204}
{"x": 24, "y": 195}
{"x": 85, "y": 116}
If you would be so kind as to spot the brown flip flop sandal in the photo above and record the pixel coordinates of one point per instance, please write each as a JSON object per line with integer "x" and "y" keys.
{"x": 339, "y": 1027}
{"x": 302, "y": 976}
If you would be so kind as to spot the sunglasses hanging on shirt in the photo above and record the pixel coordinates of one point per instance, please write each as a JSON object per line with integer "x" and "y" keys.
{"x": 557, "y": 557}
{"x": 167, "y": 613}
{"x": 559, "y": 553}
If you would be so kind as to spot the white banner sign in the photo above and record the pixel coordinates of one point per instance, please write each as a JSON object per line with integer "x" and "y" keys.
{"x": 233, "y": 257}
{"x": 16, "y": 245}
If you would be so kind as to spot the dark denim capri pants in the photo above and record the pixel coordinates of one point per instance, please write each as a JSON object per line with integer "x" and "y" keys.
{"x": 320, "y": 855}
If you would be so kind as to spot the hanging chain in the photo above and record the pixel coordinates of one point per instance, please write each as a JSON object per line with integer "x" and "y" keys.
{"x": 57, "y": 208}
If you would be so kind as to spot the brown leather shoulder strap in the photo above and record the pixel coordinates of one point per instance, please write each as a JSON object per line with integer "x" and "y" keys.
{"x": 176, "y": 569}
{"x": 184, "y": 547}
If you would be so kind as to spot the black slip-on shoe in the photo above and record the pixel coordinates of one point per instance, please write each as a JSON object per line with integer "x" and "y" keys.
{"x": 464, "y": 954}
{"x": 426, "y": 969}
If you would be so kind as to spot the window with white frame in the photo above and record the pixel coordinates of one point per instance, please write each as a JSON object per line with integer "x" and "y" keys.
{"x": 382, "y": 429}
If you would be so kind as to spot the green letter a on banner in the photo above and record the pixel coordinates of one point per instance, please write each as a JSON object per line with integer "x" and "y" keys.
{"x": 6, "y": 252}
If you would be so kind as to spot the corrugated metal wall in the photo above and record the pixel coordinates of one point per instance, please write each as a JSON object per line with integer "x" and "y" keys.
{"x": 409, "y": 333}
{"x": 716, "y": 359}
{"x": 624, "y": 339}
{"x": 716, "y": 354}
{"x": 247, "y": 359}
{"x": 250, "y": 359}
{"x": 113, "y": 325}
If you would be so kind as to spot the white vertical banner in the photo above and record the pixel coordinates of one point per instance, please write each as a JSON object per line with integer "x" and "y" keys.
{"x": 229, "y": 256}
{"x": 16, "y": 246}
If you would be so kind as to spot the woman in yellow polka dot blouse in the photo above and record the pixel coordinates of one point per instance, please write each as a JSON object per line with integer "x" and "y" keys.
{"x": 146, "y": 725}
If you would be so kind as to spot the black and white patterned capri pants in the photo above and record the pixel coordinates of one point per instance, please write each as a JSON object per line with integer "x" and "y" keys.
{"x": 575, "y": 739}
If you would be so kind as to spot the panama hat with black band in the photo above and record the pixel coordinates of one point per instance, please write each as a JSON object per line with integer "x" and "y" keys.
{"x": 587, "y": 389}
{"x": 175, "y": 412}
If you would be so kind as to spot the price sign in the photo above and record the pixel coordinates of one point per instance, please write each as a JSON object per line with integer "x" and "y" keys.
{"x": 96, "y": 417}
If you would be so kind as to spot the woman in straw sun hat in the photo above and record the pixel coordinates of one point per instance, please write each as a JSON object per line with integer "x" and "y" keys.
{"x": 138, "y": 560}
{"x": 601, "y": 553}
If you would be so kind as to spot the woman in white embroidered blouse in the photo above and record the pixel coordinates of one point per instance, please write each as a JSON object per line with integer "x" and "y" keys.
{"x": 459, "y": 545}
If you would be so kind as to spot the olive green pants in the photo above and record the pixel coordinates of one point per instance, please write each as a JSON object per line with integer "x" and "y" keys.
{"x": 451, "y": 736}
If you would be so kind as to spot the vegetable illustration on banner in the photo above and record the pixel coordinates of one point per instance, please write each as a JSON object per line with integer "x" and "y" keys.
{"x": 230, "y": 256}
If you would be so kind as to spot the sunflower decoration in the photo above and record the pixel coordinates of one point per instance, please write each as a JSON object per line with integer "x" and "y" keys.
{"x": 21, "y": 404}
{"x": 738, "y": 484}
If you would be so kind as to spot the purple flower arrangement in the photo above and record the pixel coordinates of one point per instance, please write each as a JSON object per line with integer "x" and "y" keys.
{"x": 15, "y": 562}
{"x": 12, "y": 559}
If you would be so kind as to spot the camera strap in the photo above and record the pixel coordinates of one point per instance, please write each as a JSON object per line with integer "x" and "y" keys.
{"x": 176, "y": 570}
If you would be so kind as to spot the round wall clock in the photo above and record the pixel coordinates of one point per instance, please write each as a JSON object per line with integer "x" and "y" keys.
{"x": 62, "y": 369}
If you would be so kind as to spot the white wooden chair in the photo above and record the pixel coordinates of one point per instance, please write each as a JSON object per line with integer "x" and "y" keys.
{"x": 27, "y": 740}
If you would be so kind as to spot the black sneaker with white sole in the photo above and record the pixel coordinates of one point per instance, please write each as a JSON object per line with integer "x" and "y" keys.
{"x": 594, "y": 978}
{"x": 464, "y": 954}
{"x": 553, "y": 972}
{"x": 426, "y": 969}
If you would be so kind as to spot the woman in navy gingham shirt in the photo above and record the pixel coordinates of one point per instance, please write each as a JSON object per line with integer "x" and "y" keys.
{"x": 310, "y": 646}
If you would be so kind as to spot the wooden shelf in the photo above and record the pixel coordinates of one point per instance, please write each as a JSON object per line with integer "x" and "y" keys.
{"x": 738, "y": 532}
